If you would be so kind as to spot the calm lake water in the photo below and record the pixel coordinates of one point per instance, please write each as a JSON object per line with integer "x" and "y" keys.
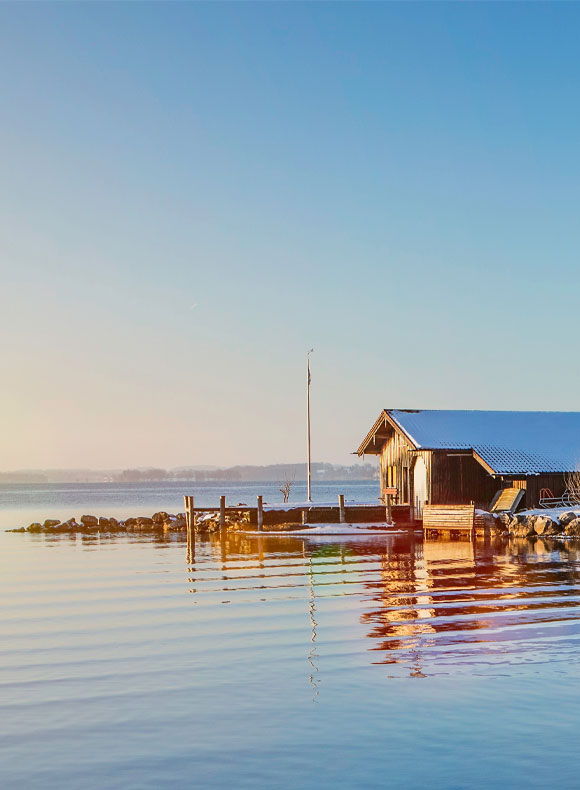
{"x": 286, "y": 662}
{"x": 21, "y": 504}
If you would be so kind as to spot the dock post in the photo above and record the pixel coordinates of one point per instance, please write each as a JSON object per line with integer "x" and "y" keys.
{"x": 260, "y": 514}
{"x": 222, "y": 512}
{"x": 389, "y": 518}
{"x": 304, "y": 516}
{"x": 190, "y": 547}
{"x": 189, "y": 513}
{"x": 341, "y": 513}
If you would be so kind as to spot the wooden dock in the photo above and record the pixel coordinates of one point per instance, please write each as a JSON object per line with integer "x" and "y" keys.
{"x": 262, "y": 514}
{"x": 448, "y": 518}
{"x": 438, "y": 520}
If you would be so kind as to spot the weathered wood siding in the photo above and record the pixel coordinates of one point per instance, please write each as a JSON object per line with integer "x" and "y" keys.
{"x": 460, "y": 480}
{"x": 395, "y": 464}
{"x": 453, "y": 478}
{"x": 534, "y": 485}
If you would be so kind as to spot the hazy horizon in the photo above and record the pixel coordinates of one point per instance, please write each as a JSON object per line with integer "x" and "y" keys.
{"x": 368, "y": 460}
{"x": 196, "y": 194}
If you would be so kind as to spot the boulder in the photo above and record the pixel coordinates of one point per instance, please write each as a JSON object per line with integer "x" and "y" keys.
{"x": 209, "y": 522}
{"x": 144, "y": 521}
{"x": 34, "y": 527}
{"x": 51, "y": 522}
{"x": 90, "y": 521}
{"x": 544, "y": 525}
{"x": 504, "y": 519}
{"x": 517, "y": 520}
{"x": 567, "y": 517}
{"x": 71, "y": 524}
{"x": 104, "y": 523}
{"x": 572, "y": 528}
{"x": 521, "y": 527}
{"x": 521, "y": 531}
{"x": 497, "y": 529}
{"x": 130, "y": 522}
{"x": 161, "y": 517}
{"x": 113, "y": 523}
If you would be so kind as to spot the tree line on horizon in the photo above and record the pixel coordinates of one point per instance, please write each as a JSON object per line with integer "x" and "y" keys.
{"x": 271, "y": 472}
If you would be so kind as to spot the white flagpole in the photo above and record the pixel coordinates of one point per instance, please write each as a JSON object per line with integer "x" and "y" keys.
{"x": 308, "y": 470}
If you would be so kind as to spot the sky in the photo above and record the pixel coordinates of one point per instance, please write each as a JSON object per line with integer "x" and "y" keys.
{"x": 193, "y": 195}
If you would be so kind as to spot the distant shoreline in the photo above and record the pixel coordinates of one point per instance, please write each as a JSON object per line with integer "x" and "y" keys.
{"x": 296, "y": 473}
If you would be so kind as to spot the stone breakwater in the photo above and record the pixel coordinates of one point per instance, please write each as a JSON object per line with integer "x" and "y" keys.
{"x": 524, "y": 525}
{"x": 519, "y": 525}
{"x": 167, "y": 522}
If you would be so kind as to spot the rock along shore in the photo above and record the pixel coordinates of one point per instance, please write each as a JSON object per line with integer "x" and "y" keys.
{"x": 167, "y": 522}
{"x": 530, "y": 525}
{"x": 519, "y": 525}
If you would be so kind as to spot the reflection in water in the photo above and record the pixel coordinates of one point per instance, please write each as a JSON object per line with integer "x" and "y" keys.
{"x": 168, "y": 662}
{"x": 429, "y": 607}
{"x": 311, "y": 610}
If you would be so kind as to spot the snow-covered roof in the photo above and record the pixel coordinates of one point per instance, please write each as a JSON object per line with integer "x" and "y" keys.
{"x": 509, "y": 442}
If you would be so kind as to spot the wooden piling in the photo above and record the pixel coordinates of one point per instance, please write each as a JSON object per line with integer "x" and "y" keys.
{"x": 189, "y": 513}
{"x": 341, "y": 512}
{"x": 260, "y": 514}
{"x": 186, "y": 509}
{"x": 222, "y": 512}
{"x": 304, "y": 516}
{"x": 190, "y": 547}
{"x": 389, "y": 516}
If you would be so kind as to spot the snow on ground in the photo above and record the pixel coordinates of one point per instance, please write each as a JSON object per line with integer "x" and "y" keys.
{"x": 553, "y": 512}
{"x": 300, "y": 505}
{"x": 335, "y": 529}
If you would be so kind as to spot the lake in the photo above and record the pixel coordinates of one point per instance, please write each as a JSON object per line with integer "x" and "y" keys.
{"x": 21, "y": 503}
{"x": 281, "y": 662}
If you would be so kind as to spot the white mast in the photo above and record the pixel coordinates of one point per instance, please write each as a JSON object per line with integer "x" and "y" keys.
{"x": 308, "y": 471}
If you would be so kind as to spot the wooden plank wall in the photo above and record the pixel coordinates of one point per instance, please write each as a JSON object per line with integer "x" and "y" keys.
{"x": 396, "y": 456}
{"x": 534, "y": 484}
{"x": 449, "y": 517}
{"x": 453, "y": 478}
{"x": 460, "y": 479}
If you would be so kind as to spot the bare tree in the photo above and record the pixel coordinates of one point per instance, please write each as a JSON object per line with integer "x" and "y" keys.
{"x": 572, "y": 480}
{"x": 285, "y": 488}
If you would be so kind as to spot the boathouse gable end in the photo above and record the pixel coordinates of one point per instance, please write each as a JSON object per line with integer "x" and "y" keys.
{"x": 467, "y": 455}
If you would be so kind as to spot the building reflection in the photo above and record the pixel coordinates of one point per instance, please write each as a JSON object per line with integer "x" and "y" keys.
{"x": 424, "y": 602}
{"x": 443, "y": 599}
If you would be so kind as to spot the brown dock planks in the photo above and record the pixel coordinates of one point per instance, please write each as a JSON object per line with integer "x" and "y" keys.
{"x": 448, "y": 517}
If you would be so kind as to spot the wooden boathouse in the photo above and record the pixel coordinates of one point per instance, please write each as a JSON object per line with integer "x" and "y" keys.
{"x": 441, "y": 457}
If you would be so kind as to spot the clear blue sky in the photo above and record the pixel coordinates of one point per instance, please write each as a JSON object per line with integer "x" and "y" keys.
{"x": 195, "y": 194}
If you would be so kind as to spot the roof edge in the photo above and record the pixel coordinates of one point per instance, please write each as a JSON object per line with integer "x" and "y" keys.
{"x": 385, "y": 417}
